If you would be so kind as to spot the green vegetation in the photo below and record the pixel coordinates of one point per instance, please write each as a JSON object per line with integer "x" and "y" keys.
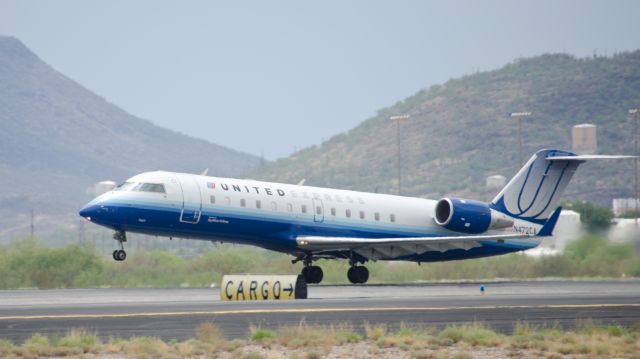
{"x": 258, "y": 334}
{"x": 594, "y": 217}
{"x": 303, "y": 341}
{"x": 630, "y": 214}
{"x": 29, "y": 263}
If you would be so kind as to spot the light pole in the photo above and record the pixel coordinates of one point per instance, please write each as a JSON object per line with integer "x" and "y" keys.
{"x": 634, "y": 113}
{"x": 398, "y": 119}
{"x": 519, "y": 116}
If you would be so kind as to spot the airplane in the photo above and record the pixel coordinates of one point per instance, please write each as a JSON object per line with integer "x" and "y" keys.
{"x": 312, "y": 223}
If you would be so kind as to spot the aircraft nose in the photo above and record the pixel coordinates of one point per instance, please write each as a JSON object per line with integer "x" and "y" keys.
{"x": 89, "y": 211}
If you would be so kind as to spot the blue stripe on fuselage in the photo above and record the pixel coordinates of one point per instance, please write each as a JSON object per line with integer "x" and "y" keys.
{"x": 271, "y": 230}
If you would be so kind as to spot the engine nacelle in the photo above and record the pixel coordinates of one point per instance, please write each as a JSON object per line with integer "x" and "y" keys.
{"x": 468, "y": 216}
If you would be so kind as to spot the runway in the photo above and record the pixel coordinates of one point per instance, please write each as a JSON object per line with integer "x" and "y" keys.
{"x": 176, "y": 313}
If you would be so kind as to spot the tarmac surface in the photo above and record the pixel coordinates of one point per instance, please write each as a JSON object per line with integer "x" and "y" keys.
{"x": 176, "y": 313}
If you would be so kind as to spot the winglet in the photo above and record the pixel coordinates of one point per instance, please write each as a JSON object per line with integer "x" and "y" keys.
{"x": 550, "y": 224}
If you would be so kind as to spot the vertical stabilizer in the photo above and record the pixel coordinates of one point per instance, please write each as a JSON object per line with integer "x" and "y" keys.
{"x": 533, "y": 193}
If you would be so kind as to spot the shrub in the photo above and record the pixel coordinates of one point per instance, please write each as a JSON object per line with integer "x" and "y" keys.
{"x": 210, "y": 333}
{"x": 82, "y": 339}
{"x": 261, "y": 334}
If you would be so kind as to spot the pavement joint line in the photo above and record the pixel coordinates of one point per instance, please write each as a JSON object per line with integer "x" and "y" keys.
{"x": 315, "y": 310}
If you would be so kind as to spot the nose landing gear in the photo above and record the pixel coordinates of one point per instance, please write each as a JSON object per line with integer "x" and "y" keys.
{"x": 120, "y": 254}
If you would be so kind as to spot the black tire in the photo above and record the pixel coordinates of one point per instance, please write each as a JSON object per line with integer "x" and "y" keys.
{"x": 122, "y": 255}
{"x": 306, "y": 274}
{"x": 351, "y": 275}
{"x": 312, "y": 274}
{"x": 358, "y": 274}
{"x": 115, "y": 258}
{"x": 362, "y": 274}
{"x": 316, "y": 274}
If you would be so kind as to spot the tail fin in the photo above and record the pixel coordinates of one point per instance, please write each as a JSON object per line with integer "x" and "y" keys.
{"x": 533, "y": 193}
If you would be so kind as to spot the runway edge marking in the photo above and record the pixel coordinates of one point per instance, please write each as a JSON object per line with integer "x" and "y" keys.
{"x": 313, "y": 310}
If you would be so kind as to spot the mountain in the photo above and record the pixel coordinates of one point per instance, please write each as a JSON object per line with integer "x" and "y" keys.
{"x": 57, "y": 139}
{"x": 460, "y": 132}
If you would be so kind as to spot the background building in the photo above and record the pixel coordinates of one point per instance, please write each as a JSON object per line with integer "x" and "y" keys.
{"x": 622, "y": 205}
{"x": 584, "y": 139}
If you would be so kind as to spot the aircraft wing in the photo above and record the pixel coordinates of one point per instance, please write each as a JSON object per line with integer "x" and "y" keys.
{"x": 388, "y": 248}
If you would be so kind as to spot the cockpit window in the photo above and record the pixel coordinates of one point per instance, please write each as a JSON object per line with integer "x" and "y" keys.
{"x": 150, "y": 187}
{"x": 125, "y": 186}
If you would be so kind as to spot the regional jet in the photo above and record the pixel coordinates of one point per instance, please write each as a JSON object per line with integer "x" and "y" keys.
{"x": 312, "y": 223}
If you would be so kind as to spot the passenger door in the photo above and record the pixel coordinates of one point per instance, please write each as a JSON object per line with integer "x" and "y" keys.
{"x": 191, "y": 199}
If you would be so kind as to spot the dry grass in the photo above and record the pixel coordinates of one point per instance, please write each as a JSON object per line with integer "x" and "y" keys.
{"x": 588, "y": 340}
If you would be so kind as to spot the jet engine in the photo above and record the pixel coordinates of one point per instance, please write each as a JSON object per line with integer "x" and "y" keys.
{"x": 468, "y": 216}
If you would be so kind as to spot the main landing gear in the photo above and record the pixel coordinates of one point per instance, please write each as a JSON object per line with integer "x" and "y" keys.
{"x": 311, "y": 274}
{"x": 358, "y": 274}
{"x": 120, "y": 254}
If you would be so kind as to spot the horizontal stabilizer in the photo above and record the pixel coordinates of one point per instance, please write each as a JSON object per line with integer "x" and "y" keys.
{"x": 588, "y": 157}
{"x": 533, "y": 193}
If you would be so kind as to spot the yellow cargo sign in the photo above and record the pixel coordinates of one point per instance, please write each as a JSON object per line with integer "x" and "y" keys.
{"x": 262, "y": 287}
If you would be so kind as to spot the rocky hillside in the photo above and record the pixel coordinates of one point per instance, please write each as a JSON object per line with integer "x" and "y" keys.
{"x": 57, "y": 139}
{"x": 460, "y": 132}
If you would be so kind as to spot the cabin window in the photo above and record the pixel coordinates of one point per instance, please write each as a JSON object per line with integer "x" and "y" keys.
{"x": 305, "y": 195}
{"x": 294, "y": 194}
{"x": 349, "y": 199}
{"x": 316, "y": 196}
{"x": 392, "y": 217}
{"x": 274, "y": 206}
{"x": 227, "y": 201}
{"x": 289, "y": 207}
{"x": 333, "y": 212}
{"x": 150, "y": 187}
{"x": 304, "y": 208}
{"x": 361, "y": 214}
{"x": 258, "y": 204}
{"x": 360, "y": 200}
{"x": 348, "y": 213}
{"x": 338, "y": 198}
{"x": 243, "y": 202}
{"x": 318, "y": 210}
{"x": 376, "y": 216}
{"x": 327, "y": 198}
{"x": 212, "y": 199}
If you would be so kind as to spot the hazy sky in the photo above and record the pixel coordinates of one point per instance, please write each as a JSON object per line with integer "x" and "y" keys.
{"x": 270, "y": 76}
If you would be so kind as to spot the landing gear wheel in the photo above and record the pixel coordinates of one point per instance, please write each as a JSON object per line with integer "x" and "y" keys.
{"x": 358, "y": 274}
{"x": 305, "y": 274}
{"x": 120, "y": 255}
{"x": 316, "y": 273}
{"x": 312, "y": 274}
